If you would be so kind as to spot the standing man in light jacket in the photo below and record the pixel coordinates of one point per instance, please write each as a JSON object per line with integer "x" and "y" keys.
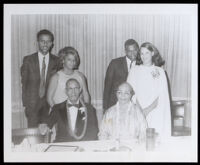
{"x": 117, "y": 72}
{"x": 36, "y": 71}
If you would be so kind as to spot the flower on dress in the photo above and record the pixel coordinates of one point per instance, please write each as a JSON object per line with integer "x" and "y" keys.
{"x": 109, "y": 121}
{"x": 155, "y": 73}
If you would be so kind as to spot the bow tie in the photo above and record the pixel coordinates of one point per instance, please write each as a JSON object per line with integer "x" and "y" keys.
{"x": 73, "y": 105}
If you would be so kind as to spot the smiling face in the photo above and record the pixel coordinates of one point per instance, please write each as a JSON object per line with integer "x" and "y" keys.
{"x": 69, "y": 61}
{"x": 131, "y": 51}
{"x": 146, "y": 56}
{"x": 124, "y": 93}
{"x": 73, "y": 90}
{"x": 44, "y": 43}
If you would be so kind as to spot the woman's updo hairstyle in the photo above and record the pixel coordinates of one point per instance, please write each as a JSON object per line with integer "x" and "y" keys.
{"x": 65, "y": 52}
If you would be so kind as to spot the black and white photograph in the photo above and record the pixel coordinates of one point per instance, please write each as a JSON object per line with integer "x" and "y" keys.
{"x": 100, "y": 82}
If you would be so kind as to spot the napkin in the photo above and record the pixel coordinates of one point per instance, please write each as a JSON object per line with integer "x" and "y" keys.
{"x": 25, "y": 143}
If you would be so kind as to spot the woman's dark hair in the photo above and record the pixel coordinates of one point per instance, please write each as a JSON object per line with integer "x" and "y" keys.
{"x": 138, "y": 59}
{"x": 156, "y": 58}
{"x": 46, "y": 32}
{"x": 65, "y": 52}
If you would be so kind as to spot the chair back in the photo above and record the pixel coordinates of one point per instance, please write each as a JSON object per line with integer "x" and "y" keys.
{"x": 181, "y": 118}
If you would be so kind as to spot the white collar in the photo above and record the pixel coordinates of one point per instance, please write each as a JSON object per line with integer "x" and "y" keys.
{"x": 41, "y": 55}
{"x": 129, "y": 61}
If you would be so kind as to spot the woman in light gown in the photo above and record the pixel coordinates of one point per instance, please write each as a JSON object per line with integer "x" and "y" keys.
{"x": 124, "y": 120}
{"x": 70, "y": 60}
{"x": 151, "y": 90}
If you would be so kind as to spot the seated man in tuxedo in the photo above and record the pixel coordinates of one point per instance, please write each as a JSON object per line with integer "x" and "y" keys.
{"x": 76, "y": 120}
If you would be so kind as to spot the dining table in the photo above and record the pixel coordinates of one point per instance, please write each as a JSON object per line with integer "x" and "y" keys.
{"x": 177, "y": 148}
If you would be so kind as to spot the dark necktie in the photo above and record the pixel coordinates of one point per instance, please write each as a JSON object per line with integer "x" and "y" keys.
{"x": 131, "y": 64}
{"x": 42, "y": 79}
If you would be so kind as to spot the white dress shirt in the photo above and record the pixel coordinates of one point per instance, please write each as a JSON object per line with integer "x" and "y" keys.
{"x": 40, "y": 57}
{"x": 73, "y": 111}
{"x": 128, "y": 61}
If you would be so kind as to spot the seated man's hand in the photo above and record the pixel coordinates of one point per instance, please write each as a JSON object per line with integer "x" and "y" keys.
{"x": 43, "y": 128}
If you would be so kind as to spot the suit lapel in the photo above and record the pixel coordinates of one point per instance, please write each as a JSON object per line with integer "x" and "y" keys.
{"x": 79, "y": 122}
{"x": 50, "y": 65}
{"x": 37, "y": 66}
{"x": 63, "y": 112}
{"x": 124, "y": 64}
{"x": 78, "y": 119}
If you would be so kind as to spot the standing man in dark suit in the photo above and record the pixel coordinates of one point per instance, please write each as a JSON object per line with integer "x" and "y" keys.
{"x": 75, "y": 120}
{"x": 36, "y": 71}
{"x": 117, "y": 72}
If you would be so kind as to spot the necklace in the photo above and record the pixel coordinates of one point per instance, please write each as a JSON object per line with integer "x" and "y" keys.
{"x": 127, "y": 122}
{"x": 68, "y": 74}
{"x": 71, "y": 132}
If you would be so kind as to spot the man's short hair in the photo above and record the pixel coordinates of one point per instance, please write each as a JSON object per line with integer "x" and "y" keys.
{"x": 131, "y": 42}
{"x": 46, "y": 32}
{"x": 71, "y": 80}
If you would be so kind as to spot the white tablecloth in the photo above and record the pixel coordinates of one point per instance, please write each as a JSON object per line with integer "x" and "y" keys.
{"x": 175, "y": 149}
{"x": 173, "y": 144}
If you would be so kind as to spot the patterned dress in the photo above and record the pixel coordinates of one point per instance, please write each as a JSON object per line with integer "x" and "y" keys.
{"x": 126, "y": 125}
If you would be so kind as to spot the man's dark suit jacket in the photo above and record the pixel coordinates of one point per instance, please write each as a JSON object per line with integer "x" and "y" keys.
{"x": 58, "y": 116}
{"x": 30, "y": 73}
{"x": 117, "y": 73}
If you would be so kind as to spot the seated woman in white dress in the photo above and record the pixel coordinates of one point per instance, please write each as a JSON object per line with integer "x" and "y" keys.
{"x": 124, "y": 120}
{"x": 151, "y": 90}
{"x": 70, "y": 60}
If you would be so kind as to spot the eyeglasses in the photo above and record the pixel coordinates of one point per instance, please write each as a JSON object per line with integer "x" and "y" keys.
{"x": 124, "y": 93}
{"x": 76, "y": 89}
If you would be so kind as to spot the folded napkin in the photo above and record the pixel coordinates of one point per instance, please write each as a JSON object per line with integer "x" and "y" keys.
{"x": 24, "y": 146}
{"x": 25, "y": 143}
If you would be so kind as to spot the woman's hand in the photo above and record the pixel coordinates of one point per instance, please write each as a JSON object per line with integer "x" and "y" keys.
{"x": 151, "y": 107}
{"x": 142, "y": 110}
{"x": 148, "y": 109}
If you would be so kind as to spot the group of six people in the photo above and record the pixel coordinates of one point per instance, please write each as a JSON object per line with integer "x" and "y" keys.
{"x": 135, "y": 97}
